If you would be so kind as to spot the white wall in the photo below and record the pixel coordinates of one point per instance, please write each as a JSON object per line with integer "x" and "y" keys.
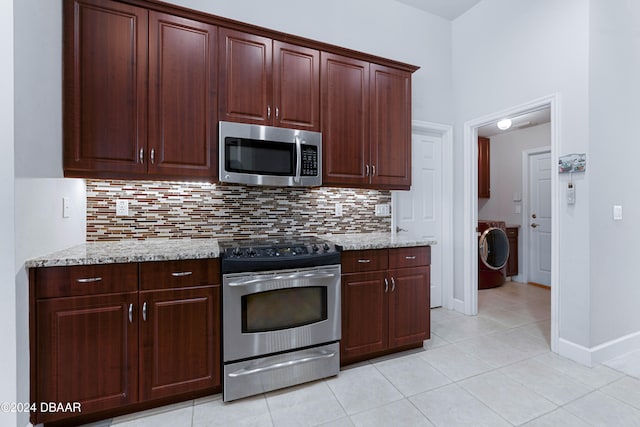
{"x": 507, "y": 53}
{"x": 7, "y": 252}
{"x": 39, "y": 186}
{"x": 506, "y": 171}
{"x": 612, "y": 164}
{"x": 381, "y": 27}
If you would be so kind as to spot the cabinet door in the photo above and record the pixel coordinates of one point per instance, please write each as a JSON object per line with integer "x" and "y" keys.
{"x": 296, "y": 86}
{"x": 484, "y": 168}
{"x": 246, "y": 85}
{"x": 182, "y": 97}
{"x": 87, "y": 352}
{"x": 105, "y": 87}
{"x": 364, "y": 315}
{"x": 390, "y": 127}
{"x": 345, "y": 120}
{"x": 409, "y": 306}
{"x": 180, "y": 339}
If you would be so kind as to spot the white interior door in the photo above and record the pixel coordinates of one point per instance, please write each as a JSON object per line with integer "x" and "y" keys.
{"x": 539, "y": 224}
{"x": 418, "y": 212}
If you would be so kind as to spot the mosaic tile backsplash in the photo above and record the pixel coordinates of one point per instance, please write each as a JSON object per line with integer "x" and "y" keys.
{"x": 195, "y": 210}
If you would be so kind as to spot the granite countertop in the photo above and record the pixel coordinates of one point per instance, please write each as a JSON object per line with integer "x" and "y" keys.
{"x": 129, "y": 251}
{"x": 175, "y": 249}
{"x": 361, "y": 241}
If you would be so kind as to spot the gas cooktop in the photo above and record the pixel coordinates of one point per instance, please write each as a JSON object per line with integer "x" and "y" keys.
{"x": 242, "y": 255}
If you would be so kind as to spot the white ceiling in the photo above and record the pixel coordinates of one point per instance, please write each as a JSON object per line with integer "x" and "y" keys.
{"x": 518, "y": 122}
{"x": 448, "y": 9}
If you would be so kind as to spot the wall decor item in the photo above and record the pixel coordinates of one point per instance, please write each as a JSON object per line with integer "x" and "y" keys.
{"x": 204, "y": 210}
{"x": 572, "y": 163}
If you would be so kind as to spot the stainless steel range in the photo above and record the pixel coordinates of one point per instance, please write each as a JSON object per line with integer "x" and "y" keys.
{"x": 281, "y": 314}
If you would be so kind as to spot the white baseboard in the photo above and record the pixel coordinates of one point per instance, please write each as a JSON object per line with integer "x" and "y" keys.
{"x": 600, "y": 353}
{"x": 458, "y": 305}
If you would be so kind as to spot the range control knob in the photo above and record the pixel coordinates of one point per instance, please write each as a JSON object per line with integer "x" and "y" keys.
{"x": 325, "y": 247}
{"x": 251, "y": 252}
{"x": 237, "y": 251}
{"x": 314, "y": 247}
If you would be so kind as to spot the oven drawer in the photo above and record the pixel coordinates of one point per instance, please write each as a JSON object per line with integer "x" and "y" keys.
{"x": 179, "y": 274}
{"x": 367, "y": 260}
{"x": 409, "y": 257}
{"x": 268, "y": 373}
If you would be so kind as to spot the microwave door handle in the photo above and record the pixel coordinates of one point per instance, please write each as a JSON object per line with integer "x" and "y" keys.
{"x": 296, "y": 179}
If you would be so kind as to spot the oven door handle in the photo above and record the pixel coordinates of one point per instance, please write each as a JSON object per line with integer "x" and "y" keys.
{"x": 283, "y": 277}
{"x": 323, "y": 354}
{"x": 296, "y": 179}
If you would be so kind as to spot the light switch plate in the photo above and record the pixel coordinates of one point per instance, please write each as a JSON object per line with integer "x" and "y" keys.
{"x": 66, "y": 207}
{"x": 338, "y": 209}
{"x": 617, "y": 212}
{"x": 382, "y": 210}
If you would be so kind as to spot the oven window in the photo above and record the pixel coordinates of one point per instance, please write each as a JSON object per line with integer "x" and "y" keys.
{"x": 283, "y": 308}
{"x": 259, "y": 157}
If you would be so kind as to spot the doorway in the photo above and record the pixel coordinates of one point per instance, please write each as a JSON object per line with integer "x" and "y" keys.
{"x": 470, "y": 216}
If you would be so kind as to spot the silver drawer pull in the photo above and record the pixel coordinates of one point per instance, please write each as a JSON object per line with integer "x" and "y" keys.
{"x": 410, "y": 257}
{"x": 364, "y": 261}
{"x": 182, "y": 273}
{"x": 89, "y": 280}
{"x": 130, "y": 313}
{"x": 323, "y": 354}
{"x": 144, "y": 311}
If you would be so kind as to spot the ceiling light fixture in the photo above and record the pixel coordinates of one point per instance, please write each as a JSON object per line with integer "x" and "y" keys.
{"x": 504, "y": 124}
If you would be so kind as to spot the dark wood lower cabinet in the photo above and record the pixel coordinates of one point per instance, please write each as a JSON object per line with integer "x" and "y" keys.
{"x": 121, "y": 338}
{"x": 88, "y": 349}
{"x": 385, "y": 302}
{"x": 179, "y": 336}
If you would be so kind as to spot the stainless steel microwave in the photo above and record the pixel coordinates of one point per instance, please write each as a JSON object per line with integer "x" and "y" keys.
{"x": 270, "y": 156}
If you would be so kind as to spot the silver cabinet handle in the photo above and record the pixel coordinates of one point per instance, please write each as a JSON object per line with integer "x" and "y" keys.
{"x": 367, "y": 170}
{"x": 386, "y": 285}
{"x": 144, "y": 311}
{"x": 410, "y": 257}
{"x": 141, "y": 154}
{"x": 373, "y": 170}
{"x": 277, "y": 112}
{"x": 364, "y": 261}
{"x": 153, "y": 155}
{"x": 248, "y": 371}
{"x": 130, "y": 313}
{"x": 393, "y": 284}
{"x": 182, "y": 273}
{"x": 89, "y": 280}
{"x": 268, "y": 111}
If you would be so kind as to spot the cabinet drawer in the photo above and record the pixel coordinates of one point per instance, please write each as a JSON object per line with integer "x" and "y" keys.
{"x": 179, "y": 274}
{"x": 369, "y": 260}
{"x": 86, "y": 280}
{"x": 409, "y": 257}
{"x": 512, "y": 231}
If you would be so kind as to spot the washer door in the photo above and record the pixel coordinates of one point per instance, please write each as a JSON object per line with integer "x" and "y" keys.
{"x": 494, "y": 248}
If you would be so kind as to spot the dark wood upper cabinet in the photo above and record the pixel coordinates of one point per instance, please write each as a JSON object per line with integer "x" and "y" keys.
{"x": 105, "y": 87}
{"x": 182, "y": 97}
{"x": 484, "y": 168}
{"x": 366, "y": 124}
{"x": 140, "y": 93}
{"x": 345, "y": 120}
{"x": 390, "y": 127}
{"x": 268, "y": 82}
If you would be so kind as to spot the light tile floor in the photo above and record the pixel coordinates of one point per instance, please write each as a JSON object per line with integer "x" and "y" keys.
{"x": 494, "y": 369}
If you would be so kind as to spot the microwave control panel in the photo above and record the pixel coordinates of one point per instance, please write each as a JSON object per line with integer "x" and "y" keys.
{"x": 309, "y": 160}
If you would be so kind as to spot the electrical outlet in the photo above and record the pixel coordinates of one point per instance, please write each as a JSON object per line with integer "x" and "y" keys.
{"x": 382, "y": 210}
{"x": 122, "y": 207}
{"x": 338, "y": 209}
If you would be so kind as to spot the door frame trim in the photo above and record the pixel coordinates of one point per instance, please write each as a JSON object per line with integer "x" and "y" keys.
{"x": 446, "y": 133}
{"x": 469, "y": 305}
{"x": 526, "y": 202}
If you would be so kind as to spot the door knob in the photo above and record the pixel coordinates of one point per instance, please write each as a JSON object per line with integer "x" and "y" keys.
{"x": 534, "y": 225}
{"x": 533, "y": 216}
{"x": 398, "y": 229}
